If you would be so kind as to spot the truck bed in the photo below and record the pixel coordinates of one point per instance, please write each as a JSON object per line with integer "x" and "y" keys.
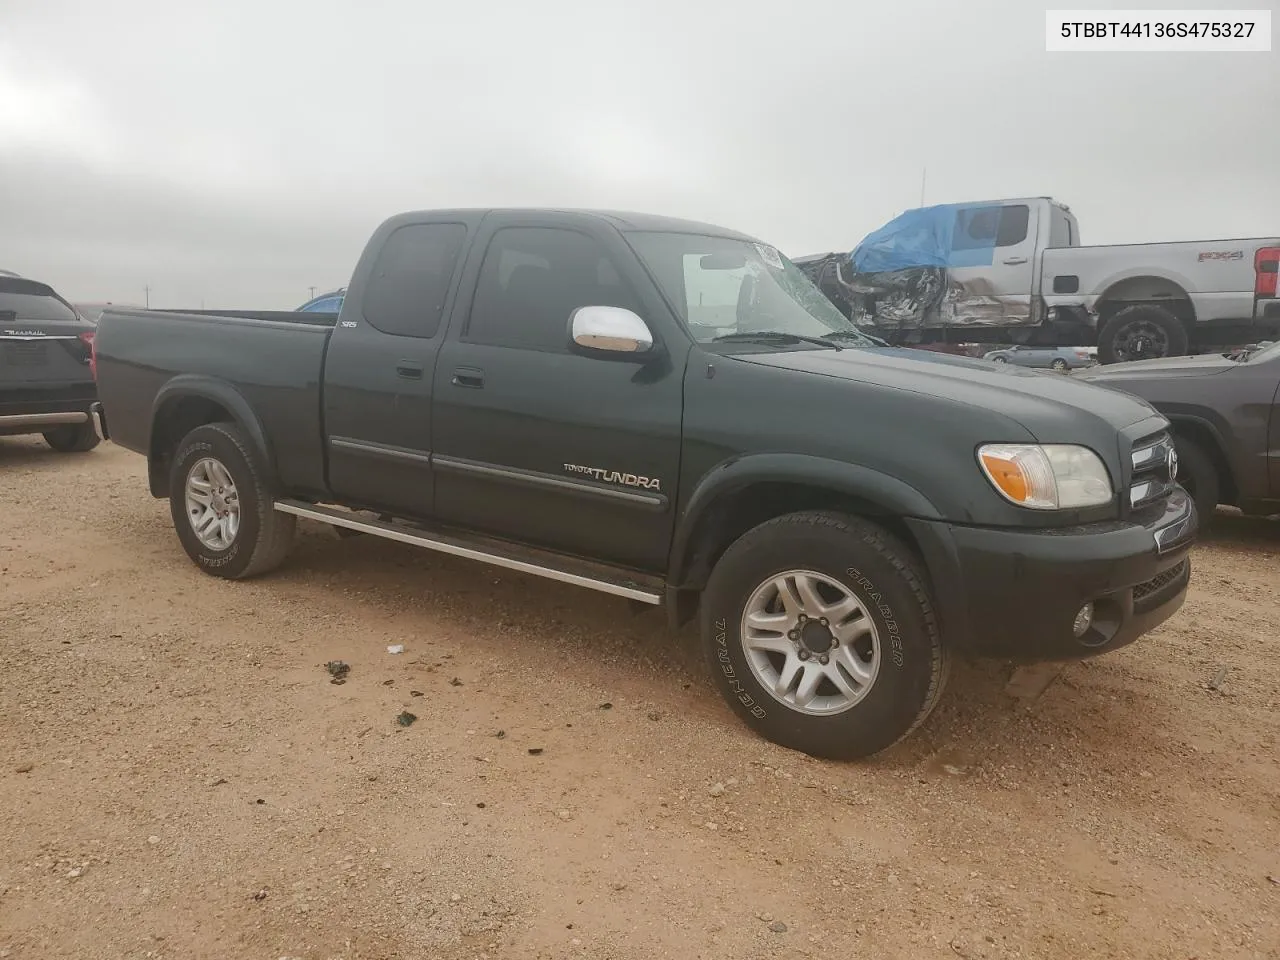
{"x": 277, "y": 357}
{"x": 1217, "y": 276}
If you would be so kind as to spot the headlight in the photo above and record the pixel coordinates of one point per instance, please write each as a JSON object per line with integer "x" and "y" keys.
{"x": 1051, "y": 476}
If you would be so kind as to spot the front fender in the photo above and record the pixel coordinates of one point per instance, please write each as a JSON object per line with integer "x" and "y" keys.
{"x": 878, "y": 490}
{"x": 1219, "y": 429}
{"x": 1210, "y": 420}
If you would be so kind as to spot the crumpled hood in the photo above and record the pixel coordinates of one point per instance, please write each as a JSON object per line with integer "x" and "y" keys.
{"x": 1201, "y": 365}
{"x": 1047, "y": 404}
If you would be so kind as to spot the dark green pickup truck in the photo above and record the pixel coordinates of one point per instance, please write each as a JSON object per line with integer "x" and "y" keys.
{"x": 669, "y": 412}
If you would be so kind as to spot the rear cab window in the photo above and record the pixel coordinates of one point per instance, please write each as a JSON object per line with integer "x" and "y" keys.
{"x": 1061, "y": 230}
{"x": 411, "y": 277}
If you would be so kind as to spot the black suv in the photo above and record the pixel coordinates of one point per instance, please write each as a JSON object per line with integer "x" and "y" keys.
{"x": 46, "y": 367}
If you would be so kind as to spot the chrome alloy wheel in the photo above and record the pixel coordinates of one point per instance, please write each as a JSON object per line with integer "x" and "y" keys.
{"x": 810, "y": 642}
{"x": 213, "y": 504}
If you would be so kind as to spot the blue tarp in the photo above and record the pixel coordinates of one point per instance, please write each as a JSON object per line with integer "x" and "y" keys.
{"x": 946, "y": 235}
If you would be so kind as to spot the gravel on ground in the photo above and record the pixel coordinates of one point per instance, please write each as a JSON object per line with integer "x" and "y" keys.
{"x": 181, "y": 778}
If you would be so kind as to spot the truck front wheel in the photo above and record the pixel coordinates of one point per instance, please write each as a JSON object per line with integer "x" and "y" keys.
{"x": 1141, "y": 332}
{"x": 820, "y": 634}
{"x": 222, "y": 507}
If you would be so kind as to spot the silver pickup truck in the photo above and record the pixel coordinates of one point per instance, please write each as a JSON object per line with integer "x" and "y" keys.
{"x": 1014, "y": 271}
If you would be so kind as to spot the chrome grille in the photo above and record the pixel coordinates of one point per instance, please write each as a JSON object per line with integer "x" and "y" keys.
{"x": 1152, "y": 479}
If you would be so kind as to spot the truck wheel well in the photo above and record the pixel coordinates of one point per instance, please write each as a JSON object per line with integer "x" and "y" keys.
{"x": 1205, "y": 438}
{"x": 1156, "y": 291}
{"x": 734, "y": 514}
{"x": 177, "y": 417}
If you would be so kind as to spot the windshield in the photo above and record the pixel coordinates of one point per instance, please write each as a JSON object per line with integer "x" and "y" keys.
{"x": 1265, "y": 352}
{"x": 726, "y": 287}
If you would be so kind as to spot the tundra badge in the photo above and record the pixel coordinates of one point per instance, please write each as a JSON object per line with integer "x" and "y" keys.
{"x": 613, "y": 476}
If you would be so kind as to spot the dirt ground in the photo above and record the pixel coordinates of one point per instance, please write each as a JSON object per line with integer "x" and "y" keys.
{"x": 179, "y": 778}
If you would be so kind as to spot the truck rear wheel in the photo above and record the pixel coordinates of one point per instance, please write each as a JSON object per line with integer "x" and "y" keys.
{"x": 820, "y": 634}
{"x": 1141, "y": 332}
{"x": 72, "y": 438}
{"x": 222, "y": 508}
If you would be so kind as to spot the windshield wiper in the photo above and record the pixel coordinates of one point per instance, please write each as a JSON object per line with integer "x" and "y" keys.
{"x": 775, "y": 336}
{"x": 854, "y": 335}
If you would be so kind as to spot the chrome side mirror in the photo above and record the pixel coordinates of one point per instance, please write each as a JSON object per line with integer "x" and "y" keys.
{"x": 610, "y": 330}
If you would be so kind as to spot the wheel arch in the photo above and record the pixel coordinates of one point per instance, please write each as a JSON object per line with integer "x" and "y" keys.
{"x": 1154, "y": 289}
{"x": 189, "y": 401}
{"x": 741, "y": 494}
{"x": 1208, "y": 435}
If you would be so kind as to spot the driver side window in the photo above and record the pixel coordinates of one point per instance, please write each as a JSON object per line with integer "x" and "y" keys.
{"x": 531, "y": 281}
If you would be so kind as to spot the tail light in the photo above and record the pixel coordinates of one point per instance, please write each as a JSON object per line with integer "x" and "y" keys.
{"x": 90, "y": 342}
{"x": 1266, "y": 264}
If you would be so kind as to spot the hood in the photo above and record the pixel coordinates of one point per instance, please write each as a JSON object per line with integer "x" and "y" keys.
{"x": 1049, "y": 405}
{"x": 1201, "y": 365}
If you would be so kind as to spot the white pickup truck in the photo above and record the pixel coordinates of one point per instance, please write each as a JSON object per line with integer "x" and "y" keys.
{"x": 1014, "y": 271}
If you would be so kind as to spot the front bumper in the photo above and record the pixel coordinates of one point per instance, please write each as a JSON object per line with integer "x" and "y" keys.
{"x": 1015, "y": 594}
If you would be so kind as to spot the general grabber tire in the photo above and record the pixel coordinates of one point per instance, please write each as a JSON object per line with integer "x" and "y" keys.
{"x": 820, "y": 634}
{"x": 222, "y": 507}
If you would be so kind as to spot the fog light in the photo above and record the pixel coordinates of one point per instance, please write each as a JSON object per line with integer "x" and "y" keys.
{"x": 1084, "y": 620}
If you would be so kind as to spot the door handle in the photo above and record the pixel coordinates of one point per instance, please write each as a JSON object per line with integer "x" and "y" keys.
{"x": 468, "y": 377}
{"x": 1014, "y": 261}
{"x": 409, "y": 370}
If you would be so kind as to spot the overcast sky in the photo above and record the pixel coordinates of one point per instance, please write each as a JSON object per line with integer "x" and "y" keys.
{"x": 238, "y": 152}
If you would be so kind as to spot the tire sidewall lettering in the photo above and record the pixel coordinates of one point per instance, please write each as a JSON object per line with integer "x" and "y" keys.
{"x": 865, "y": 586}
{"x": 725, "y": 662}
{"x": 206, "y": 558}
{"x": 872, "y": 565}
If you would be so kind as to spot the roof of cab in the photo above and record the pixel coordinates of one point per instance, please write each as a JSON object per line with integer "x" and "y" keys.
{"x": 621, "y": 219}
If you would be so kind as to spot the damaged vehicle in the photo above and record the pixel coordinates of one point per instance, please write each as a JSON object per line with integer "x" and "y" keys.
{"x": 1013, "y": 271}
